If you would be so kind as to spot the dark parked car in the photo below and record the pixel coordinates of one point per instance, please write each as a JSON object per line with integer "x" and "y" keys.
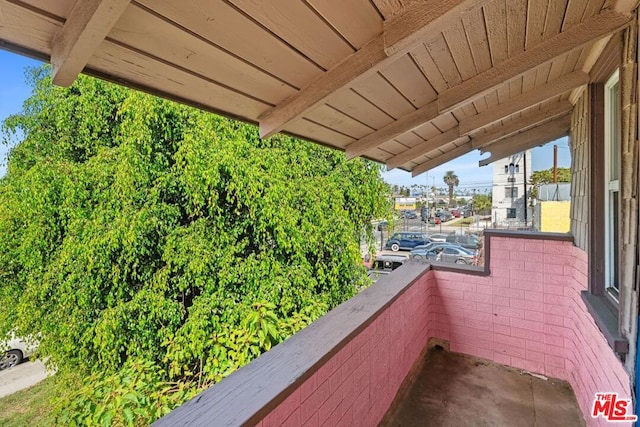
{"x": 406, "y": 240}
{"x": 469, "y": 241}
{"x": 388, "y": 262}
{"x": 457, "y": 255}
{"x": 385, "y": 264}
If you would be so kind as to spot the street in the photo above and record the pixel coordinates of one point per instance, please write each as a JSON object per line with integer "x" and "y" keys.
{"x": 22, "y": 376}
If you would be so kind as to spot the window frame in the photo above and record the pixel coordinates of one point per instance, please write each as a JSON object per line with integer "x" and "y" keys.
{"x": 612, "y": 188}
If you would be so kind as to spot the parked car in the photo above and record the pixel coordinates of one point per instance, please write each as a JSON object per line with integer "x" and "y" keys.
{"x": 15, "y": 350}
{"x": 438, "y": 237}
{"x": 384, "y": 265}
{"x": 410, "y": 215}
{"x": 388, "y": 262}
{"x": 457, "y": 255}
{"x": 429, "y": 252}
{"x": 469, "y": 241}
{"x": 406, "y": 240}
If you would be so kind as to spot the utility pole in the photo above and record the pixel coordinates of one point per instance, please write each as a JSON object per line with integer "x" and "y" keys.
{"x": 555, "y": 164}
{"x": 526, "y": 204}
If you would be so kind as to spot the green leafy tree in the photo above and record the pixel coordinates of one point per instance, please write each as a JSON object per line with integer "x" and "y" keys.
{"x": 546, "y": 177}
{"x": 140, "y": 235}
{"x": 452, "y": 181}
{"x": 482, "y": 203}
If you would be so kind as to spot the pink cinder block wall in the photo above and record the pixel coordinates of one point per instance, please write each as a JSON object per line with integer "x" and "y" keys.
{"x": 529, "y": 314}
{"x": 358, "y": 384}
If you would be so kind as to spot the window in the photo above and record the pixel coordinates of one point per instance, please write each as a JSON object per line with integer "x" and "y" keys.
{"x": 511, "y": 212}
{"x": 511, "y": 168}
{"x": 511, "y": 192}
{"x": 517, "y": 168}
{"x": 506, "y": 168}
{"x": 612, "y": 152}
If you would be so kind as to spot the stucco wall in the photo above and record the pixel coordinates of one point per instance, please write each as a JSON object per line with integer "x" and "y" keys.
{"x": 554, "y": 216}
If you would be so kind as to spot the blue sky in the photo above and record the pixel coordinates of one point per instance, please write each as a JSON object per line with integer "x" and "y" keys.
{"x": 14, "y": 90}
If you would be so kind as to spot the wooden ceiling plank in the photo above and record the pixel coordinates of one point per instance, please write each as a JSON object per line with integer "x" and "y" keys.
{"x": 516, "y": 25}
{"x": 574, "y": 13}
{"x": 300, "y": 26}
{"x": 527, "y": 99}
{"x": 357, "y": 20}
{"x": 422, "y": 20}
{"x": 555, "y": 17}
{"x": 441, "y": 159}
{"x": 425, "y": 62}
{"x": 557, "y": 65}
{"x": 353, "y": 104}
{"x": 526, "y": 140}
{"x": 456, "y": 39}
{"x": 468, "y": 125}
{"x": 401, "y": 33}
{"x": 443, "y": 59}
{"x": 377, "y": 90}
{"x": 477, "y": 36}
{"x": 222, "y": 28}
{"x": 495, "y": 13}
{"x": 86, "y": 27}
{"x": 536, "y": 15}
{"x": 407, "y": 78}
{"x": 523, "y": 123}
{"x": 147, "y": 32}
{"x": 400, "y": 126}
{"x": 591, "y": 29}
{"x": 424, "y": 148}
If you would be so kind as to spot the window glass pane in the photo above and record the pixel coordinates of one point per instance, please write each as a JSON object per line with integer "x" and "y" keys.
{"x": 614, "y": 117}
{"x": 615, "y": 248}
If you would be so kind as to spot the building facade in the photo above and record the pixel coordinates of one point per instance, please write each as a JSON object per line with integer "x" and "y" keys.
{"x": 509, "y": 194}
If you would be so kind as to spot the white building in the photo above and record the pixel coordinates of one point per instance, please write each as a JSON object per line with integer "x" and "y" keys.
{"x": 511, "y": 177}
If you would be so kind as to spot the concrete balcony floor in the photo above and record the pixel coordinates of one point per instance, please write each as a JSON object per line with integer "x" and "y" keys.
{"x": 453, "y": 389}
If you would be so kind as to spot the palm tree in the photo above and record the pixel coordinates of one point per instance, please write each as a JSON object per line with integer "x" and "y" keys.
{"x": 451, "y": 179}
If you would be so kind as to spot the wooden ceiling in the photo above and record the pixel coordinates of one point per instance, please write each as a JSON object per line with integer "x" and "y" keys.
{"x": 410, "y": 83}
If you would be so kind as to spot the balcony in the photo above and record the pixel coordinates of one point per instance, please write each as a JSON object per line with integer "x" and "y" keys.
{"x": 523, "y": 310}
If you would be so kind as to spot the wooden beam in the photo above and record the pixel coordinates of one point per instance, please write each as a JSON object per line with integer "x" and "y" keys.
{"x": 625, "y": 6}
{"x": 528, "y": 99}
{"x": 87, "y": 26}
{"x": 393, "y": 129}
{"x": 424, "y": 148}
{"x": 528, "y": 139}
{"x": 362, "y": 63}
{"x": 593, "y": 28}
{"x": 422, "y": 21}
{"x": 489, "y": 80}
{"x": 530, "y": 120}
{"x": 443, "y": 158}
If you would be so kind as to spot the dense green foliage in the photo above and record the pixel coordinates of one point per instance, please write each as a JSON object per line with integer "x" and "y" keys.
{"x": 482, "y": 203}
{"x": 144, "y": 239}
{"x": 546, "y": 177}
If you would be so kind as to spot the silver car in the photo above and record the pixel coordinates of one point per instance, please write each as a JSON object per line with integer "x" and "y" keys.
{"x": 457, "y": 255}
{"x": 15, "y": 350}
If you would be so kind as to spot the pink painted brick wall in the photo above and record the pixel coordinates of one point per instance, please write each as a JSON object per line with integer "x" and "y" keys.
{"x": 358, "y": 384}
{"x": 527, "y": 314}
{"x": 535, "y": 319}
